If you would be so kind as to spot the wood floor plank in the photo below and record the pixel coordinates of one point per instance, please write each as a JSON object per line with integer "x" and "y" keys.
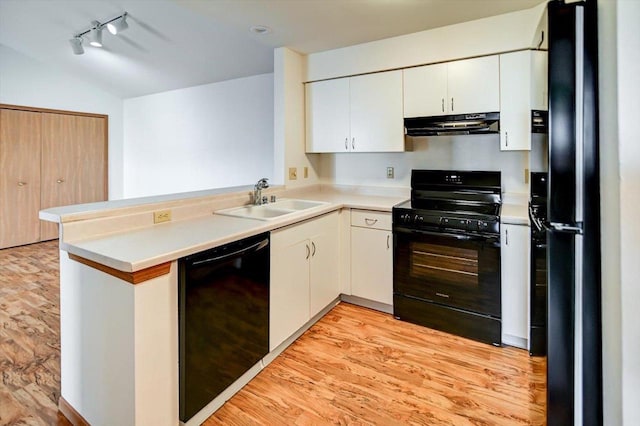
{"x": 355, "y": 366}
{"x": 358, "y": 366}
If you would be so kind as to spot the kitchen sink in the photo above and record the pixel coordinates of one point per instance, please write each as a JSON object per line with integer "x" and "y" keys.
{"x": 273, "y": 210}
{"x": 291, "y": 204}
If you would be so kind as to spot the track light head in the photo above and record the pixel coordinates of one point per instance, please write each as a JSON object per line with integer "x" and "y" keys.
{"x": 118, "y": 25}
{"x": 95, "y": 35}
{"x": 76, "y": 45}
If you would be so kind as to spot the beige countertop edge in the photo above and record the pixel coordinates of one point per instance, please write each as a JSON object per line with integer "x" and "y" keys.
{"x": 132, "y": 251}
{"x": 515, "y": 214}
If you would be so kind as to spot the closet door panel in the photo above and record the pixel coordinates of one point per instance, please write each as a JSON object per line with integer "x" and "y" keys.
{"x": 73, "y": 163}
{"x": 20, "y": 135}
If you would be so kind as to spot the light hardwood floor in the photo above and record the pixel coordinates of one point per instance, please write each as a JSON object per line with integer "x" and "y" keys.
{"x": 355, "y": 366}
{"x": 358, "y": 366}
{"x": 30, "y": 335}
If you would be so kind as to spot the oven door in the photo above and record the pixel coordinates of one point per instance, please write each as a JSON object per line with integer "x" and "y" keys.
{"x": 457, "y": 270}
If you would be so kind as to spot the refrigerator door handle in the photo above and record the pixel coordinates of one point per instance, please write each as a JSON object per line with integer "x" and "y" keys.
{"x": 575, "y": 228}
{"x": 579, "y": 111}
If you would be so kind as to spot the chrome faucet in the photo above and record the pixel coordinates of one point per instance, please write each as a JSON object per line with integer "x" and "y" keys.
{"x": 257, "y": 191}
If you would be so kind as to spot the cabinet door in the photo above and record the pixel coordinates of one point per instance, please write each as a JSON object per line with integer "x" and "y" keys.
{"x": 325, "y": 263}
{"x": 372, "y": 264}
{"x": 515, "y": 284}
{"x": 327, "y": 116}
{"x": 425, "y": 91}
{"x": 515, "y": 95}
{"x": 73, "y": 163}
{"x": 289, "y": 286}
{"x": 377, "y": 124}
{"x": 20, "y": 136}
{"x": 473, "y": 85}
{"x": 539, "y": 81}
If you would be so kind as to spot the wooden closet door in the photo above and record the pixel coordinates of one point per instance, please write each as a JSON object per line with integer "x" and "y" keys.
{"x": 20, "y": 136}
{"x": 73, "y": 163}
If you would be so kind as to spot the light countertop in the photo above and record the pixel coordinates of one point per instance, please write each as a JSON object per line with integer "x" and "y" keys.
{"x": 515, "y": 209}
{"x": 133, "y": 250}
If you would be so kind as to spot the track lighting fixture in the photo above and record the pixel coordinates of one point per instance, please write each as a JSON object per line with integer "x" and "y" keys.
{"x": 118, "y": 24}
{"x": 94, "y": 33}
{"x": 76, "y": 45}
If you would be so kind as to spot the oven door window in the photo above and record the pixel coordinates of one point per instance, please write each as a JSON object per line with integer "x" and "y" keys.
{"x": 461, "y": 271}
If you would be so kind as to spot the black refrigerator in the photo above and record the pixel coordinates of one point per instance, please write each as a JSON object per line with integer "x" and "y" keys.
{"x": 574, "y": 333}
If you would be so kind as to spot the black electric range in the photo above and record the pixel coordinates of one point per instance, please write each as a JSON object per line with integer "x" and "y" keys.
{"x": 447, "y": 253}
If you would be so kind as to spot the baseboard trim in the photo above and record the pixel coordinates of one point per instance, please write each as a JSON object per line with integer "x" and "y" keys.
{"x": 70, "y": 413}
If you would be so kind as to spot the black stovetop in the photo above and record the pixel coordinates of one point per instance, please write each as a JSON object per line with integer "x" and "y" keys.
{"x": 466, "y": 201}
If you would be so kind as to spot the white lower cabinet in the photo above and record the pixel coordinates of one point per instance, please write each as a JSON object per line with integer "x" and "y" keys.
{"x": 372, "y": 256}
{"x": 304, "y": 274}
{"x": 515, "y": 278}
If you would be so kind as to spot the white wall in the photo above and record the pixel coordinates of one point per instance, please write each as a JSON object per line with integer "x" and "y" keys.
{"x": 628, "y": 53}
{"x": 289, "y": 110}
{"x": 477, "y": 152}
{"x": 610, "y": 211}
{"x": 502, "y": 33}
{"x": 210, "y": 136}
{"x": 24, "y": 81}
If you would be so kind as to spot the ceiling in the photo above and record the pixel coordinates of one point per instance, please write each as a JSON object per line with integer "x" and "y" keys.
{"x": 172, "y": 44}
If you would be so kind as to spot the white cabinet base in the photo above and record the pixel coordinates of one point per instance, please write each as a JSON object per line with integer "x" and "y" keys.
{"x": 515, "y": 277}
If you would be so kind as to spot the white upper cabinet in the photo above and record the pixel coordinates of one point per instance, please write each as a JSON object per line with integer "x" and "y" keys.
{"x": 377, "y": 124}
{"x": 459, "y": 87}
{"x": 473, "y": 85}
{"x": 355, "y": 114}
{"x": 425, "y": 91}
{"x": 523, "y": 87}
{"x": 327, "y": 121}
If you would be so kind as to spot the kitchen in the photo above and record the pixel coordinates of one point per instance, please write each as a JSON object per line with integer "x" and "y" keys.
{"x": 342, "y": 168}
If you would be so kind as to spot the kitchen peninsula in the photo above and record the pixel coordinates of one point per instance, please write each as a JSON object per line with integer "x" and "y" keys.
{"x": 119, "y": 291}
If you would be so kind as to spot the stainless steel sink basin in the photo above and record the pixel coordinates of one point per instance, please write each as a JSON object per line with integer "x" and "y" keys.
{"x": 273, "y": 210}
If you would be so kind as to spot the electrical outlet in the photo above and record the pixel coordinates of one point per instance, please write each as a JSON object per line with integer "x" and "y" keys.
{"x": 389, "y": 172}
{"x": 306, "y": 172}
{"x": 293, "y": 173}
{"x": 162, "y": 216}
{"x": 526, "y": 175}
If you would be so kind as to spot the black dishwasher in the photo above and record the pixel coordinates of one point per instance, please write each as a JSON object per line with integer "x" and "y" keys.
{"x": 223, "y": 313}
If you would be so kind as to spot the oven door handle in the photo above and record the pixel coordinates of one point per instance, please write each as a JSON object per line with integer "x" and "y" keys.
{"x": 481, "y": 238}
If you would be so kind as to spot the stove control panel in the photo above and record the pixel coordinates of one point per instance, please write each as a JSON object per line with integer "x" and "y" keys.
{"x": 417, "y": 221}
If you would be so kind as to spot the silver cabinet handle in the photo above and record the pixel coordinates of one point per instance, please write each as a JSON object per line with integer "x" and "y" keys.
{"x": 313, "y": 252}
{"x": 446, "y": 296}
{"x": 506, "y": 236}
{"x": 370, "y": 222}
{"x": 442, "y": 104}
{"x": 346, "y": 144}
{"x": 451, "y": 104}
{"x": 308, "y": 251}
{"x": 60, "y": 180}
{"x": 22, "y": 183}
{"x": 506, "y": 138}
{"x": 353, "y": 143}
{"x": 388, "y": 241}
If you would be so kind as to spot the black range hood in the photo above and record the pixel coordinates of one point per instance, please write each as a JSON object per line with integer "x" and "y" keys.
{"x": 462, "y": 124}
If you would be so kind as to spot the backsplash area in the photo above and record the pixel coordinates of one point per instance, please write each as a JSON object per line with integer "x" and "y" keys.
{"x": 472, "y": 152}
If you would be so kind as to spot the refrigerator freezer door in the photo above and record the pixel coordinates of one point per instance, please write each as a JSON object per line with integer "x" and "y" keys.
{"x": 562, "y": 115}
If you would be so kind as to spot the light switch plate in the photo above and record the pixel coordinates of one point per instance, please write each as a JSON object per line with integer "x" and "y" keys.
{"x": 293, "y": 173}
{"x": 390, "y": 173}
{"x": 161, "y": 216}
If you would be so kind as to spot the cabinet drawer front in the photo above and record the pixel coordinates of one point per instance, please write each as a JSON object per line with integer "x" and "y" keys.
{"x": 371, "y": 219}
